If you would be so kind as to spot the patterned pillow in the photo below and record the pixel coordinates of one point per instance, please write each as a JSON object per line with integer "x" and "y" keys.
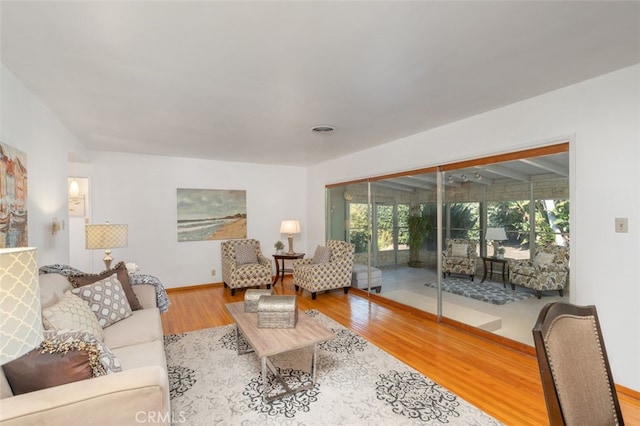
{"x": 459, "y": 250}
{"x": 246, "y": 253}
{"x": 64, "y": 356}
{"x": 71, "y": 312}
{"x": 543, "y": 258}
{"x": 107, "y": 300}
{"x": 322, "y": 255}
{"x": 120, "y": 270}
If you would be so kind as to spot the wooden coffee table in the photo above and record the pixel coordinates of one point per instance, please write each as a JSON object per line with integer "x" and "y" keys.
{"x": 266, "y": 342}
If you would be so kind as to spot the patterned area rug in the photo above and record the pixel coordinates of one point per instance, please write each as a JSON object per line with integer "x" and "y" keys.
{"x": 357, "y": 384}
{"x": 484, "y": 292}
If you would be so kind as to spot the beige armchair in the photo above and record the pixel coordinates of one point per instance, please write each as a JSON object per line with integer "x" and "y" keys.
{"x": 243, "y": 265}
{"x": 459, "y": 257}
{"x": 325, "y": 271}
{"x": 548, "y": 270}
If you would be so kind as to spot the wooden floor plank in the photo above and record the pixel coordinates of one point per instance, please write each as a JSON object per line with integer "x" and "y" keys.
{"x": 499, "y": 380}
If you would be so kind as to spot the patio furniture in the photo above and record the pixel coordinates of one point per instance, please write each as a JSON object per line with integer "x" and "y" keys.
{"x": 548, "y": 270}
{"x": 459, "y": 257}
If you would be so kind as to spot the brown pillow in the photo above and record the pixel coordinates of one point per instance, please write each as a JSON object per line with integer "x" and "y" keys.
{"x": 123, "y": 276}
{"x": 35, "y": 370}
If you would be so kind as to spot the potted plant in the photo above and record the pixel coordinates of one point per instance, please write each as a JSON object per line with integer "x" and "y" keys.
{"x": 418, "y": 228}
{"x": 279, "y": 245}
{"x": 501, "y": 251}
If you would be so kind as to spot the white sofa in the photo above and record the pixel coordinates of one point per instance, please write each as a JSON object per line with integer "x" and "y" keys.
{"x": 139, "y": 394}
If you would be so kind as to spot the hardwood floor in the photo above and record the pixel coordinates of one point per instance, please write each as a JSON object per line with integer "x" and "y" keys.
{"x": 503, "y": 382}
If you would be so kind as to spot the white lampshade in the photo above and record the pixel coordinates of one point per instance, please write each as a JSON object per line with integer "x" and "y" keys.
{"x": 290, "y": 227}
{"x": 496, "y": 234}
{"x": 20, "y": 317}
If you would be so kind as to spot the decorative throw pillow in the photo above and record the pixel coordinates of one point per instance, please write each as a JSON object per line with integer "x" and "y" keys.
{"x": 64, "y": 356}
{"x": 109, "y": 362}
{"x": 71, "y": 312}
{"x": 459, "y": 250}
{"x": 321, "y": 255}
{"x": 246, "y": 253}
{"x": 106, "y": 299}
{"x": 123, "y": 276}
{"x": 543, "y": 258}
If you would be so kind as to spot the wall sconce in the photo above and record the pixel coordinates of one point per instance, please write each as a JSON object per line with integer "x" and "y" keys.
{"x": 478, "y": 176}
{"x": 55, "y": 226}
{"x": 450, "y": 179}
{"x": 464, "y": 178}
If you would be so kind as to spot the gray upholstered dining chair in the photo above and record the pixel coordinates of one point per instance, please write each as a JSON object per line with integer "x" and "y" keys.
{"x": 574, "y": 367}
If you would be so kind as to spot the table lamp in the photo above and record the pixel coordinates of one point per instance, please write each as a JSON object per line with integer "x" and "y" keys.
{"x": 290, "y": 227}
{"x": 106, "y": 236}
{"x": 495, "y": 235}
{"x": 20, "y": 317}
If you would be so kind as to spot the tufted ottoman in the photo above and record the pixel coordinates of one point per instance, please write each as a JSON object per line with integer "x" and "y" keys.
{"x": 360, "y": 279}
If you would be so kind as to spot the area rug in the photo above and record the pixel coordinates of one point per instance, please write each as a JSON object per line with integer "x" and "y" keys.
{"x": 484, "y": 292}
{"x": 357, "y": 384}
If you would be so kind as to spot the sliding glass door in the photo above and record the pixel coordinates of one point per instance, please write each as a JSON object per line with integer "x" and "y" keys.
{"x": 393, "y": 223}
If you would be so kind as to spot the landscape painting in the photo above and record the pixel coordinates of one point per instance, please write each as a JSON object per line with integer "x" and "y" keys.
{"x": 13, "y": 197}
{"x": 211, "y": 214}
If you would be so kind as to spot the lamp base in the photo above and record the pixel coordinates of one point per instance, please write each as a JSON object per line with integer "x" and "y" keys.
{"x": 290, "y": 238}
{"x": 495, "y": 245}
{"x": 107, "y": 259}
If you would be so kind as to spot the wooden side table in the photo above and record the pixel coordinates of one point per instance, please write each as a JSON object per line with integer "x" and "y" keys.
{"x": 491, "y": 260}
{"x": 281, "y": 270}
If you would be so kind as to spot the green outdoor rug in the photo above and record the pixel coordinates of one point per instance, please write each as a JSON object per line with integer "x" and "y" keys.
{"x": 485, "y": 292}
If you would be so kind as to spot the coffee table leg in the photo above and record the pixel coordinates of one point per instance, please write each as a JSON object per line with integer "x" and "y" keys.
{"x": 265, "y": 400}
{"x": 313, "y": 363}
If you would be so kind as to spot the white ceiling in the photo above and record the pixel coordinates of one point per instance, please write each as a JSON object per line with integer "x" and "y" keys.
{"x": 245, "y": 81}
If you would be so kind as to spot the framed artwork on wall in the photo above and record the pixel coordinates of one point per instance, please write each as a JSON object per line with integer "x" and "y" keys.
{"x": 77, "y": 206}
{"x": 211, "y": 214}
{"x": 13, "y": 197}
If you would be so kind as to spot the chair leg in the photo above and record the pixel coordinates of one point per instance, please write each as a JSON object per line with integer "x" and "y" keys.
{"x": 297, "y": 288}
{"x": 472, "y": 277}
{"x": 233, "y": 291}
{"x": 268, "y": 286}
{"x": 539, "y": 294}
{"x": 346, "y": 290}
{"x": 313, "y": 295}
{"x": 561, "y": 291}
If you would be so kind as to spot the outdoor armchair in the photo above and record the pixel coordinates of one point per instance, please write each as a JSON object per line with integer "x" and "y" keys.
{"x": 459, "y": 257}
{"x": 549, "y": 270}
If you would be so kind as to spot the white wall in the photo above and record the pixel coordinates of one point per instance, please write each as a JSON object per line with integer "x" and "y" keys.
{"x": 602, "y": 119}
{"x": 140, "y": 190}
{"x": 26, "y": 124}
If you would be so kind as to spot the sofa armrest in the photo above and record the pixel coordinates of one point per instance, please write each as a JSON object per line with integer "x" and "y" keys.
{"x": 146, "y": 294}
{"x": 129, "y": 397}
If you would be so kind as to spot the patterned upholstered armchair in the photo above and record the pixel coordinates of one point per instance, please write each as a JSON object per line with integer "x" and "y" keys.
{"x": 459, "y": 257}
{"x": 334, "y": 271}
{"x": 548, "y": 270}
{"x": 243, "y": 265}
